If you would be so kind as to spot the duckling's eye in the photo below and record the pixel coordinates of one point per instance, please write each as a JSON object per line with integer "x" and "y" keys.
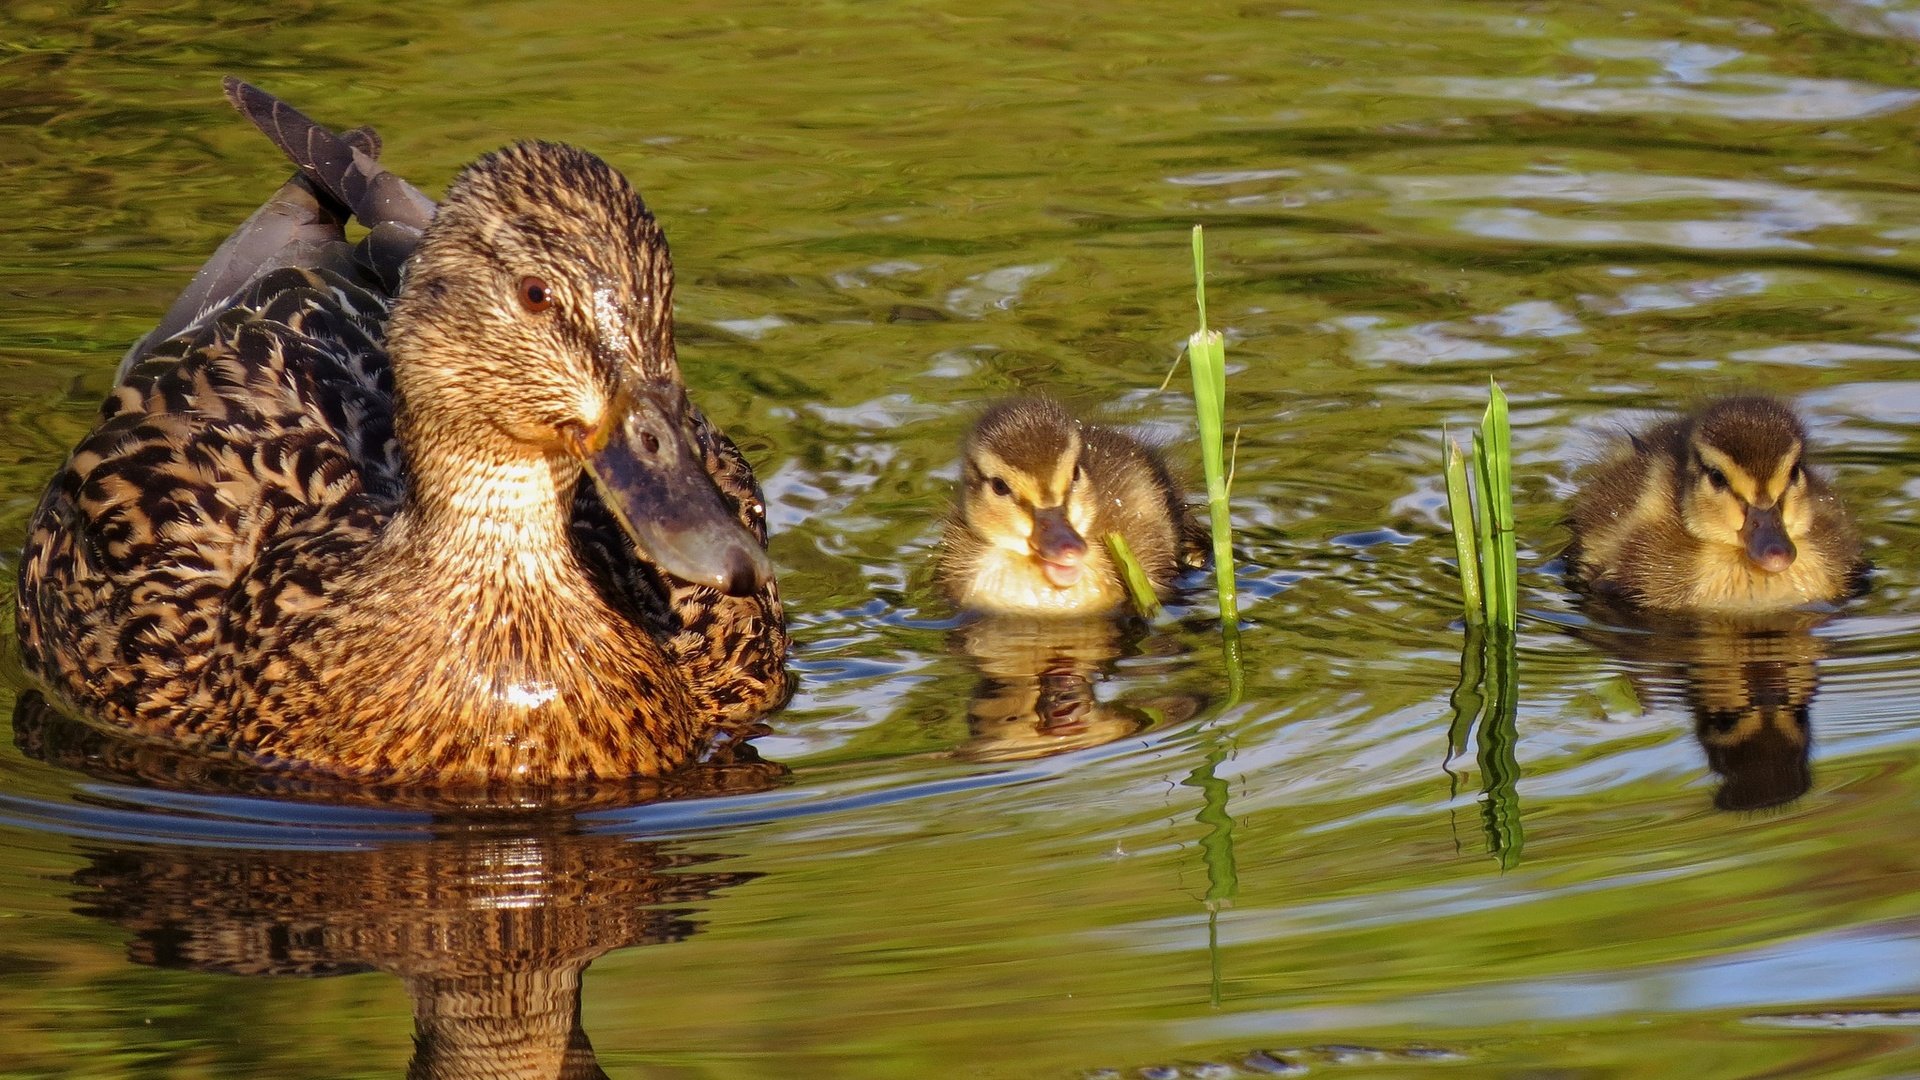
{"x": 535, "y": 296}
{"x": 1717, "y": 478}
{"x": 1796, "y": 474}
{"x": 1079, "y": 473}
{"x": 1000, "y": 487}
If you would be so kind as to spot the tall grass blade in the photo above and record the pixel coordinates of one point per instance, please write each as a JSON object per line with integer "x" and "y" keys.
{"x": 1207, "y": 363}
{"x": 1483, "y": 527}
{"x": 1486, "y": 699}
{"x": 1460, "y": 514}
{"x": 1498, "y": 494}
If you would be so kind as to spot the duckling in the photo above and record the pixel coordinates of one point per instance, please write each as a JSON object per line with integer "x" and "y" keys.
{"x": 1039, "y": 494}
{"x": 1715, "y": 511}
{"x": 435, "y": 510}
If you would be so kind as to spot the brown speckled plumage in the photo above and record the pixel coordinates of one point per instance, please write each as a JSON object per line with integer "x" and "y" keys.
{"x": 334, "y": 526}
{"x": 1665, "y": 520}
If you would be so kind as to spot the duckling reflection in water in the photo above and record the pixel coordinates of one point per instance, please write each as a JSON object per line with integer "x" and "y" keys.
{"x": 1039, "y": 494}
{"x": 1749, "y": 683}
{"x": 1752, "y": 715}
{"x": 1038, "y": 691}
{"x": 1715, "y": 511}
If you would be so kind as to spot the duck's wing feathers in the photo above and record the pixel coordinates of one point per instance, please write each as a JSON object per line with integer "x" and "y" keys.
{"x": 271, "y": 420}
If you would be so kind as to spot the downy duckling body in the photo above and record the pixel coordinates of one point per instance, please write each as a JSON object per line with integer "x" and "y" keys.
{"x": 1715, "y": 512}
{"x": 1039, "y": 494}
{"x": 430, "y": 510}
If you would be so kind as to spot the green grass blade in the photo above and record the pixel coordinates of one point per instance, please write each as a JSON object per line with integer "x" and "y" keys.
{"x": 1138, "y": 586}
{"x": 1207, "y": 360}
{"x": 1460, "y": 515}
{"x": 1483, "y": 529}
{"x": 1498, "y": 494}
{"x": 1207, "y": 363}
{"x": 1200, "y": 274}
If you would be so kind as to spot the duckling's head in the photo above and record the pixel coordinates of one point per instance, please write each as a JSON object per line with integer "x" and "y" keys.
{"x": 535, "y": 322}
{"x": 1023, "y": 487}
{"x": 1742, "y": 481}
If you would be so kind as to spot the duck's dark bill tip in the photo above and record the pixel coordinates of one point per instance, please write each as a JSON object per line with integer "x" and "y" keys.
{"x": 654, "y": 480}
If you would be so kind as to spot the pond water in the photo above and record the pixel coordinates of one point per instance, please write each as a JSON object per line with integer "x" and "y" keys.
{"x": 885, "y": 215}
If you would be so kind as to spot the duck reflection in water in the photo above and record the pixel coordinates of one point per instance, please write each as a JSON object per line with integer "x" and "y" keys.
{"x": 490, "y": 924}
{"x": 1749, "y": 684}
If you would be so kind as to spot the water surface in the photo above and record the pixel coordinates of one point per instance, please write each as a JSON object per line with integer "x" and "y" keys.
{"x": 885, "y": 215}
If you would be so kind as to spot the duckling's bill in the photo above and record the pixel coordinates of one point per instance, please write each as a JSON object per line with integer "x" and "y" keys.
{"x": 1059, "y": 547}
{"x": 651, "y": 474}
{"x": 1765, "y": 535}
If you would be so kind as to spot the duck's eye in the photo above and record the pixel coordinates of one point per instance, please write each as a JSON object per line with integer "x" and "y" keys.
{"x": 1079, "y": 473}
{"x": 1717, "y": 478}
{"x": 535, "y": 296}
{"x": 1000, "y": 487}
{"x": 1796, "y": 474}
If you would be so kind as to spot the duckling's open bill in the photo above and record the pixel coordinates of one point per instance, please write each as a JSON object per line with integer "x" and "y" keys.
{"x": 431, "y": 509}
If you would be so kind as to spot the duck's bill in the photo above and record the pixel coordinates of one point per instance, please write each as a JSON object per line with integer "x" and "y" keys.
{"x": 653, "y": 478}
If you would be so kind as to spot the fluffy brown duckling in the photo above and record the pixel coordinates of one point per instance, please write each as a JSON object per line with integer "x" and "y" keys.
{"x": 1715, "y": 511}
{"x": 1039, "y": 494}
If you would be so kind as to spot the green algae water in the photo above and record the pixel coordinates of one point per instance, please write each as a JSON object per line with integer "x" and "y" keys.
{"x": 1007, "y": 851}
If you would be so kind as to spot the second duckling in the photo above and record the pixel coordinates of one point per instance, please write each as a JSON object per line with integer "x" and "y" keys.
{"x": 1715, "y": 511}
{"x": 1040, "y": 492}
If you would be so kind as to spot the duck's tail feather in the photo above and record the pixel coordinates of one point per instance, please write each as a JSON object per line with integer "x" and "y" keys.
{"x": 294, "y": 227}
{"x": 301, "y": 224}
{"x": 350, "y": 174}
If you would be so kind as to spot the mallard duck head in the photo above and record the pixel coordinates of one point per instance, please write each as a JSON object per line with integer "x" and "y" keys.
{"x": 535, "y": 323}
{"x": 1023, "y": 486}
{"x": 1743, "y": 483}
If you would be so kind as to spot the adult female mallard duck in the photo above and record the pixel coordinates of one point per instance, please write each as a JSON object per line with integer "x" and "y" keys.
{"x": 1715, "y": 511}
{"x": 430, "y": 510}
{"x": 1039, "y": 494}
